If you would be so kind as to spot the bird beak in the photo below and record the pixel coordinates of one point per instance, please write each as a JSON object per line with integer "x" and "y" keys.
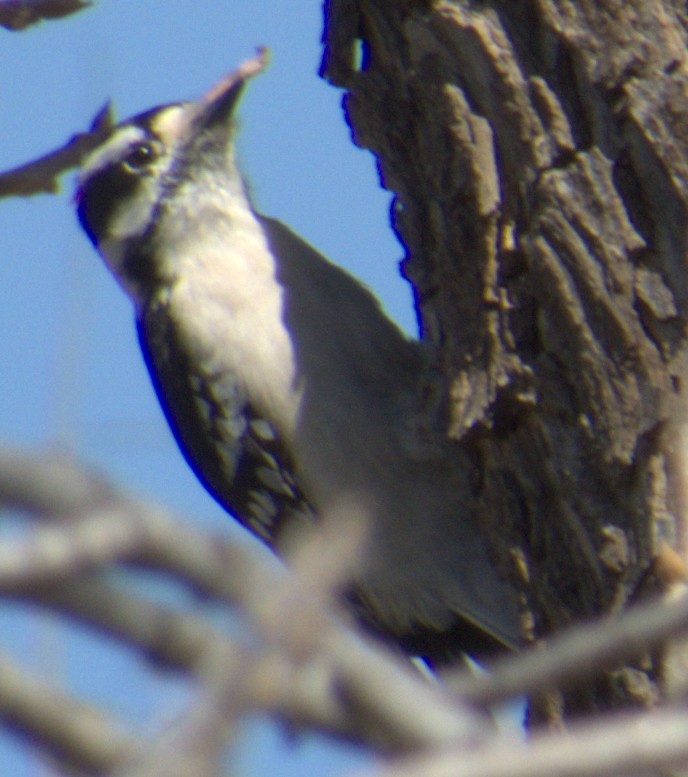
{"x": 217, "y": 106}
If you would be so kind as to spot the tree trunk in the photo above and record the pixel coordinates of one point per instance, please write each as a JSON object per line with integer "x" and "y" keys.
{"x": 537, "y": 153}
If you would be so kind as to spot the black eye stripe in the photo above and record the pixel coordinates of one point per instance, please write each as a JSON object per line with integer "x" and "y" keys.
{"x": 129, "y": 155}
{"x": 99, "y": 197}
{"x": 105, "y": 189}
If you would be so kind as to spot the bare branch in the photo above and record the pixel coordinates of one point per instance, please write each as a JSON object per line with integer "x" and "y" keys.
{"x": 327, "y": 676}
{"x": 168, "y": 638}
{"x": 324, "y": 676}
{"x": 625, "y": 744}
{"x": 579, "y": 653}
{"x": 135, "y": 532}
{"x": 20, "y": 14}
{"x": 194, "y": 746}
{"x": 309, "y": 670}
{"x": 40, "y": 176}
{"x": 48, "y": 483}
{"x": 78, "y": 733}
{"x": 53, "y": 554}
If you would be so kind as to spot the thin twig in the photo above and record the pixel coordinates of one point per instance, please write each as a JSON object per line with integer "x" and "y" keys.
{"x": 80, "y": 734}
{"x": 20, "y": 14}
{"x": 40, "y": 176}
{"x": 579, "y": 653}
{"x": 624, "y": 744}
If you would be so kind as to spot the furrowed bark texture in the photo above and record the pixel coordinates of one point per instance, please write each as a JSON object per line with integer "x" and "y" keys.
{"x": 538, "y": 155}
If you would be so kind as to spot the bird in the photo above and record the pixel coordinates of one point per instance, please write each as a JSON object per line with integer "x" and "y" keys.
{"x": 287, "y": 388}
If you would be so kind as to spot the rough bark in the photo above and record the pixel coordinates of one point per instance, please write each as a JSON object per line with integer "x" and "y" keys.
{"x": 537, "y": 151}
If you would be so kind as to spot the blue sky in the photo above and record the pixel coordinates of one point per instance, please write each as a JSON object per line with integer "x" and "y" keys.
{"x": 72, "y": 375}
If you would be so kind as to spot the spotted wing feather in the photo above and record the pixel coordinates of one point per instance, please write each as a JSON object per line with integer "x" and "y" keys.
{"x": 235, "y": 453}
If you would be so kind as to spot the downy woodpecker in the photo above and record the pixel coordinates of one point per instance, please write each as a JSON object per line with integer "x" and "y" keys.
{"x": 287, "y": 389}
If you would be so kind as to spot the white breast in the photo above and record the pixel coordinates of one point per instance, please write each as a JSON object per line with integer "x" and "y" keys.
{"x": 226, "y": 301}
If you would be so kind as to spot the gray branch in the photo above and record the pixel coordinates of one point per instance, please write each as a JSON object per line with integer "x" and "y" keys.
{"x": 19, "y": 14}
{"x": 41, "y": 175}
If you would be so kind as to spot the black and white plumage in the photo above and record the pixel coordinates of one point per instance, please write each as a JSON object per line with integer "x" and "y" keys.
{"x": 287, "y": 388}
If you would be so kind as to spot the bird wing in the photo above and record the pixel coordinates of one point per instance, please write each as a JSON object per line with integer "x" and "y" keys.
{"x": 234, "y": 452}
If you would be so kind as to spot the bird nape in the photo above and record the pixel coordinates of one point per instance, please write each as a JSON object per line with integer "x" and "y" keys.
{"x": 288, "y": 390}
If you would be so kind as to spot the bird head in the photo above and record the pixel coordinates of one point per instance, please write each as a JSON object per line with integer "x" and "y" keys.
{"x": 151, "y": 161}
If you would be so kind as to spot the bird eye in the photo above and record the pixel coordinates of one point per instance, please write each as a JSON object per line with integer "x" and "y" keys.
{"x": 141, "y": 156}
